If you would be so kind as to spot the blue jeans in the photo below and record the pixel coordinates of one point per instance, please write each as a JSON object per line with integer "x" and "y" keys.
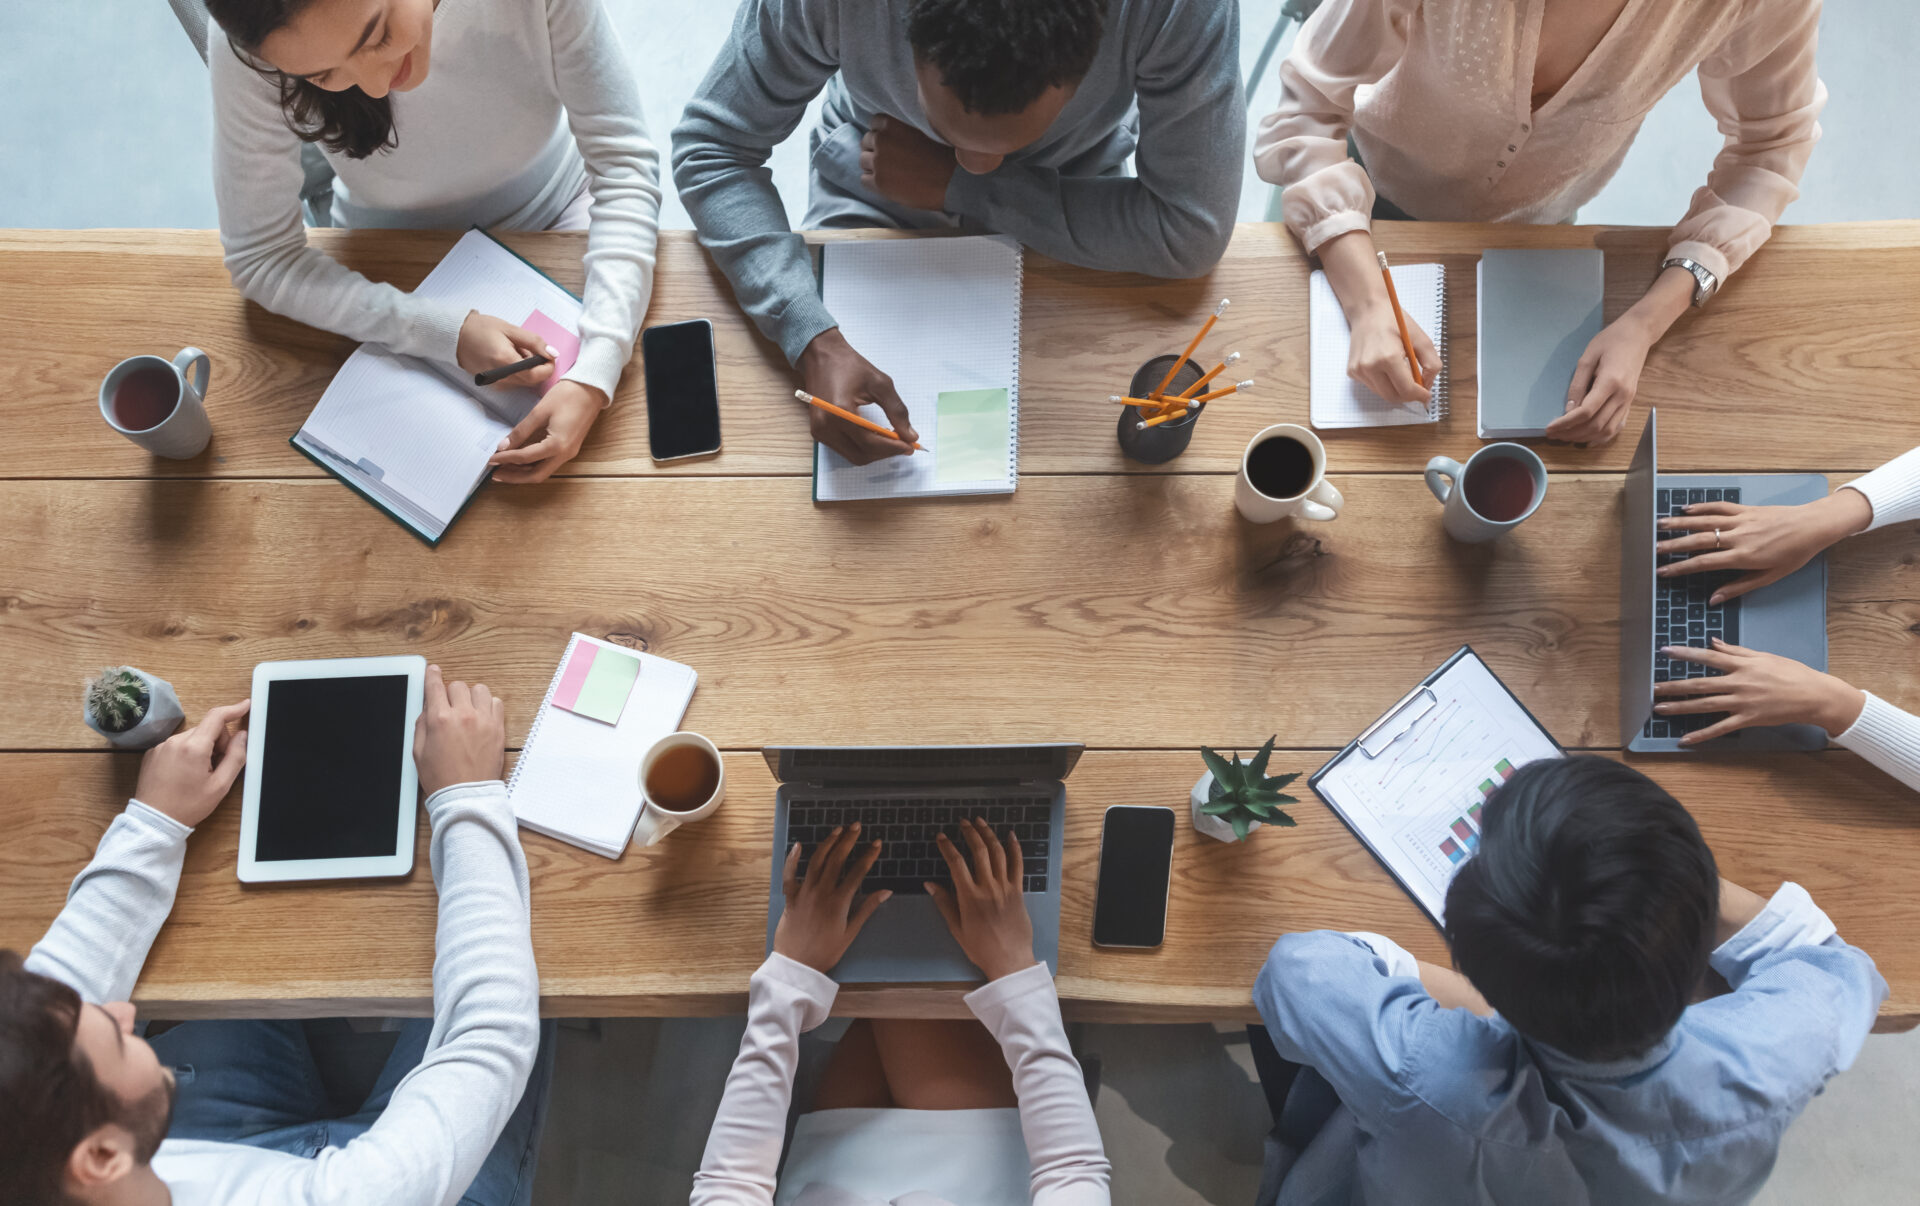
{"x": 256, "y": 1082}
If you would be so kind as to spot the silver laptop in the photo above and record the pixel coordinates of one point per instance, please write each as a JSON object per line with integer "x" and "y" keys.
{"x": 1788, "y": 618}
{"x": 904, "y": 796}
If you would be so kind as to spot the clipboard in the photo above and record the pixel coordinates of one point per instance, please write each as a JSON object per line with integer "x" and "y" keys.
{"x": 1411, "y": 784}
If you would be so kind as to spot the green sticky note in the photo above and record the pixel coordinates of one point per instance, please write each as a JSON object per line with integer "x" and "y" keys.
{"x": 609, "y": 681}
{"x": 972, "y": 432}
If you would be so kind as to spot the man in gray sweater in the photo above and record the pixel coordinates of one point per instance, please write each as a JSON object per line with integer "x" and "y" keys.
{"x": 1010, "y": 116}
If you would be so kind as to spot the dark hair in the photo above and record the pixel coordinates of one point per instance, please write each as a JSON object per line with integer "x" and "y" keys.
{"x": 1588, "y": 914}
{"x": 347, "y": 122}
{"x": 998, "y": 56}
{"x": 49, "y": 1097}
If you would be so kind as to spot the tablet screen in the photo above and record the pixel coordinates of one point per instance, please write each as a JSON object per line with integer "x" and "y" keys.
{"x": 330, "y": 781}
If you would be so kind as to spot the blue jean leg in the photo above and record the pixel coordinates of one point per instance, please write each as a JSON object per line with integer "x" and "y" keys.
{"x": 251, "y": 1082}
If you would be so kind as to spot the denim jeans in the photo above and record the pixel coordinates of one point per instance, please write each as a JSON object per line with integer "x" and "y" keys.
{"x": 257, "y": 1083}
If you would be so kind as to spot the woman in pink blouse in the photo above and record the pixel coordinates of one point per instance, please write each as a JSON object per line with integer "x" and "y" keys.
{"x": 1521, "y": 111}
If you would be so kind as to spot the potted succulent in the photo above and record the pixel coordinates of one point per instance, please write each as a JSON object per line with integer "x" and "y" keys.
{"x": 1236, "y": 797}
{"x": 132, "y": 709}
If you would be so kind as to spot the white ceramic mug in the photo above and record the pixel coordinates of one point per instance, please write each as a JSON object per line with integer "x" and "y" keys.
{"x": 657, "y": 822}
{"x": 1462, "y": 522}
{"x": 1316, "y": 500}
{"x": 184, "y": 432}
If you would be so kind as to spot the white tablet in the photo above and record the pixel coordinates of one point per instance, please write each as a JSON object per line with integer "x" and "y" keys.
{"x": 331, "y": 788}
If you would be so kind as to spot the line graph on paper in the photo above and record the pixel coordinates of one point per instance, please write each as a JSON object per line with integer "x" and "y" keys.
{"x": 1418, "y": 801}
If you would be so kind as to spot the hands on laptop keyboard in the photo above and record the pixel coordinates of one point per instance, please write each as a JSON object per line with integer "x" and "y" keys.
{"x": 907, "y": 829}
{"x": 1682, "y": 614}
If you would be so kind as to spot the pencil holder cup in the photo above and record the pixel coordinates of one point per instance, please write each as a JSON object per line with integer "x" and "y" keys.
{"x": 1158, "y": 445}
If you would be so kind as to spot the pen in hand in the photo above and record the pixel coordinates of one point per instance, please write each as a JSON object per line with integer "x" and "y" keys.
{"x": 507, "y": 370}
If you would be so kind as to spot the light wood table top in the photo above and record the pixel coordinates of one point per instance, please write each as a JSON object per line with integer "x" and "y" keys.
{"x": 1102, "y": 603}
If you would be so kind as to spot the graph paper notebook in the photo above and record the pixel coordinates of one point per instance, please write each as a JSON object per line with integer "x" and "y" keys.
{"x": 1411, "y": 787}
{"x": 578, "y": 778}
{"x": 413, "y": 436}
{"x": 942, "y": 318}
{"x": 1337, "y": 400}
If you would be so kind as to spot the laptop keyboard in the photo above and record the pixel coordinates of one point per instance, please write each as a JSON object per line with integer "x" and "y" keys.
{"x": 907, "y": 827}
{"x": 1682, "y": 615}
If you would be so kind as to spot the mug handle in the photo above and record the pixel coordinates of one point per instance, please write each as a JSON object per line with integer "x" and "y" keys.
{"x": 1328, "y": 496}
{"x": 195, "y": 369}
{"x": 1442, "y": 467}
{"x": 652, "y": 826}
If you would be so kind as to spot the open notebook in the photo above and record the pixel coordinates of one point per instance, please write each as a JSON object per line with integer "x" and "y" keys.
{"x": 1340, "y": 401}
{"x": 578, "y": 778}
{"x": 413, "y": 436}
{"x": 942, "y": 318}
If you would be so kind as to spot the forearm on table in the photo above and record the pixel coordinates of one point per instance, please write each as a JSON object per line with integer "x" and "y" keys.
{"x": 1110, "y": 223}
{"x": 1891, "y": 494}
{"x": 116, "y": 906}
{"x": 1886, "y": 736}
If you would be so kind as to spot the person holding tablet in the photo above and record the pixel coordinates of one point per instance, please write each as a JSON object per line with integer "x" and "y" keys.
{"x": 1456, "y": 111}
{"x": 503, "y": 114}
{"x": 1755, "y": 688}
{"x": 233, "y": 1112}
{"x": 907, "y": 1109}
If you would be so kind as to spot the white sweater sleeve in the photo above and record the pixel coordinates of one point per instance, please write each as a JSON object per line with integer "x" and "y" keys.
{"x": 1069, "y": 1163}
{"x": 623, "y": 174}
{"x": 784, "y": 999}
{"x": 256, "y": 185}
{"x": 115, "y": 908}
{"x": 1887, "y": 737}
{"x": 1892, "y": 490}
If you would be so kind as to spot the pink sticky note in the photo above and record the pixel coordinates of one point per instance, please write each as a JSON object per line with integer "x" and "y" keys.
{"x": 575, "y": 675}
{"x": 563, "y": 341}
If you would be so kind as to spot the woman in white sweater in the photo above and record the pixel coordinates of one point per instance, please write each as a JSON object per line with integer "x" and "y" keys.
{"x": 909, "y": 1111}
{"x": 1763, "y": 688}
{"x": 518, "y": 114}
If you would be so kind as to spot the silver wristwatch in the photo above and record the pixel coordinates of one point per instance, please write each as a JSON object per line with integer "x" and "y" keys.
{"x": 1704, "y": 281}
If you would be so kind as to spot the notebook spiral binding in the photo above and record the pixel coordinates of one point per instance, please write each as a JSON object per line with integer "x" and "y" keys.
{"x": 1442, "y": 404}
{"x": 1013, "y": 389}
{"x": 533, "y": 733}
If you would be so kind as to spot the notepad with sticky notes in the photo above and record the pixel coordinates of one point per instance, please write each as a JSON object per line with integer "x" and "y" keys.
{"x": 413, "y": 436}
{"x": 578, "y": 776}
{"x": 941, "y": 316}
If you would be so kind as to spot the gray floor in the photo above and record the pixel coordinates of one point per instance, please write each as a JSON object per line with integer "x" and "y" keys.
{"x": 106, "y": 124}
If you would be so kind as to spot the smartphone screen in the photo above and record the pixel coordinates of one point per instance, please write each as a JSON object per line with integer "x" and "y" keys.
{"x": 683, "y": 399}
{"x": 1136, "y": 867}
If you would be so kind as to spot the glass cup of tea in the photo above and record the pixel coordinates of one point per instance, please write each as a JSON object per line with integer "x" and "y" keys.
{"x": 160, "y": 406}
{"x": 682, "y": 778}
{"x": 1498, "y": 487}
{"x": 1283, "y": 473}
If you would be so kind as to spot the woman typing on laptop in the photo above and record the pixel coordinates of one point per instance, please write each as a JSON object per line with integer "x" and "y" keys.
{"x": 907, "y": 1107}
{"x": 1768, "y": 543}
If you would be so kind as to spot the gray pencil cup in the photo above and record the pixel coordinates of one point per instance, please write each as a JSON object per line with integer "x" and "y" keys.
{"x": 1158, "y": 445}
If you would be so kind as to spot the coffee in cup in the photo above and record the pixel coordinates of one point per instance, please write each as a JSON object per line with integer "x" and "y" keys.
{"x": 682, "y": 779}
{"x": 1283, "y": 473}
{"x": 160, "y": 404}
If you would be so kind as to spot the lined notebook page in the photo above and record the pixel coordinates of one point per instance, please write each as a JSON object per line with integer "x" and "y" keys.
{"x": 938, "y": 316}
{"x": 1340, "y": 401}
{"x": 578, "y": 779}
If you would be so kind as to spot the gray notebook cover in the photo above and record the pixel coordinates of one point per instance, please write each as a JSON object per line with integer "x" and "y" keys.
{"x": 1537, "y": 312}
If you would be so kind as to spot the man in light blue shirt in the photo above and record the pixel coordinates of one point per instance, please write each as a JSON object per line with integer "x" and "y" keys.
{"x": 1563, "y": 1062}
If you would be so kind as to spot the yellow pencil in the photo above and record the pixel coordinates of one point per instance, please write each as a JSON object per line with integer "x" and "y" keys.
{"x": 1159, "y": 419}
{"x": 1221, "y": 393}
{"x": 1193, "y": 389}
{"x": 1183, "y": 357}
{"x": 850, "y": 417}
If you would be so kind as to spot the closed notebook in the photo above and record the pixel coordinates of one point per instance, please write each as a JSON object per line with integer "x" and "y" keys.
{"x": 413, "y": 436}
{"x": 1537, "y": 311}
{"x": 942, "y": 318}
{"x": 578, "y": 777}
{"x": 1337, "y": 400}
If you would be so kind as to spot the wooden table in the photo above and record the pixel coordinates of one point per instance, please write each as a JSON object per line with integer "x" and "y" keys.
{"x": 1103, "y": 602}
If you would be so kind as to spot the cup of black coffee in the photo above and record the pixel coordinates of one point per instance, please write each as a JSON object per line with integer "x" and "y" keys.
{"x": 1283, "y": 473}
{"x": 1490, "y": 495}
{"x": 160, "y": 405}
{"x": 1162, "y": 442}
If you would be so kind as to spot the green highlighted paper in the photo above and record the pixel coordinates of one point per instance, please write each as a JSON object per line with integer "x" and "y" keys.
{"x": 971, "y": 436}
{"x": 596, "y": 681}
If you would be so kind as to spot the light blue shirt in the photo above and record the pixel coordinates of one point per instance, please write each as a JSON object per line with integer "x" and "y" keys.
{"x": 1443, "y": 1106}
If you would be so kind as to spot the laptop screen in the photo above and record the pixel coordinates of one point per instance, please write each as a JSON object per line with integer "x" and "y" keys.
{"x": 1637, "y": 586}
{"x": 943, "y": 764}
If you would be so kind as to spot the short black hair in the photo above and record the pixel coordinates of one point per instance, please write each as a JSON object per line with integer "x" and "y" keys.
{"x": 998, "y": 56}
{"x": 1589, "y": 912}
{"x": 49, "y": 1097}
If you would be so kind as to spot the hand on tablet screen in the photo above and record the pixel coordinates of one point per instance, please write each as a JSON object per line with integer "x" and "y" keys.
{"x": 461, "y": 736}
{"x": 187, "y": 775}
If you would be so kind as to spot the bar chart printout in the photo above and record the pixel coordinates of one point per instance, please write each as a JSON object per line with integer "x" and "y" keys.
{"x": 1417, "y": 800}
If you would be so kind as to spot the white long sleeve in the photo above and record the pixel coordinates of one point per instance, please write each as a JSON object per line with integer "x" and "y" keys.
{"x": 784, "y": 999}
{"x": 1892, "y": 490}
{"x": 115, "y": 908}
{"x": 1069, "y": 1163}
{"x": 471, "y": 152}
{"x": 1887, "y": 737}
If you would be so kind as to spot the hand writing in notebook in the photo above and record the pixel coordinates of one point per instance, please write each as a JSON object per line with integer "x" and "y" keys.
{"x": 834, "y": 371}
{"x": 1376, "y": 358}
{"x": 487, "y": 342}
{"x": 560, "y": 421}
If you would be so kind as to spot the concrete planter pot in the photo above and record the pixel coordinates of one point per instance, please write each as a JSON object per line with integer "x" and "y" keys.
{"x": 161, "y": 716}
{"x": 1214, "y": 827}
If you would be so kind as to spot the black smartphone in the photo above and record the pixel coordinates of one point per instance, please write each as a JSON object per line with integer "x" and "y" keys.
{"x": 683, "y": 392}
{"x": 1136, "y": 872}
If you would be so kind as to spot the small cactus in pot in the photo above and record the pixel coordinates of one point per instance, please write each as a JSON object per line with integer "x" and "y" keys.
{"x": 1234, "y": 797}
{"x": 132, "y": 709}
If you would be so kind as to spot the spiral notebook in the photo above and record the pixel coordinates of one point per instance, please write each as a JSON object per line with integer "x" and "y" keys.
{"x": 942, "y": 318}
{"x": 578, "y": 777}
{"x": 1337, "y": 400}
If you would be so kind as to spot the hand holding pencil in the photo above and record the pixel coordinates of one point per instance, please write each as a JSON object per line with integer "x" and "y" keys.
{"x": 845, "y": 380}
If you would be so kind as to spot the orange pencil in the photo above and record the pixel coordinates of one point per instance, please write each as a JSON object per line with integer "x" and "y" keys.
{"x": 849, "y": 416}
{"x": 1193, "y": 389}
{"x": 1149, "y": 403}
{"x": 1400, "y": 316}
{"x": 1159, "y": 419}
{"x": 1221, "y": 393}
{"x": 1182, "y": 358}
